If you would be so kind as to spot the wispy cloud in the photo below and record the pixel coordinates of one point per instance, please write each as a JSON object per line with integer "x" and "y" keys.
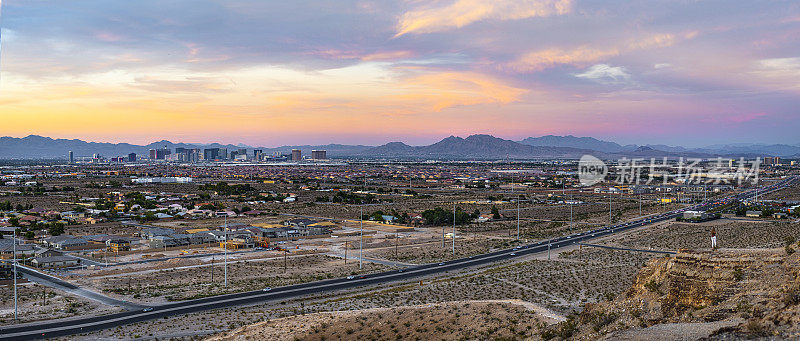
{"x": 746, "y": 117}
{"x": 585, "y": 55}
{"x": 436, "y": 18}
{"x": 603, "y": 73}
{"x": 545, "y": 59}
{"x": 442, "y": 90}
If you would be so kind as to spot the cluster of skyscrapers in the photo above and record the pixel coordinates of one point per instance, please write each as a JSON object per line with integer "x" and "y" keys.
{"x": 194, "y": 155}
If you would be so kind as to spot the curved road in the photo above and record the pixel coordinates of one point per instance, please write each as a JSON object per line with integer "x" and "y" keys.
{"x": 39, "y": 330}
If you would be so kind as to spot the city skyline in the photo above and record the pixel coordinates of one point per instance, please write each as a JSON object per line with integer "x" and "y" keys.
{"x": 368, "y": 73}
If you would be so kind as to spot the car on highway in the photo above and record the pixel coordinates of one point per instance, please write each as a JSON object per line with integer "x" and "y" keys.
{"x": 440, "y": 264}
{"x": 512, "y": 254}
{"x": 147, "y": 309}
{"x": 351, "y": 277}
{"x": 267, "y": 289}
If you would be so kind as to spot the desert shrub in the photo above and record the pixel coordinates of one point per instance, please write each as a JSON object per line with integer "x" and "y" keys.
{"x": 563, "y": 330}
{"x": 738, "y": 274}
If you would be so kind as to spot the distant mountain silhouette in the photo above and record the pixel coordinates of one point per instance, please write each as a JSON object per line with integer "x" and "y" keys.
{"x": 576, "y": 142}
{"x": 38, "y": 147}
{"x": 471, "y": 147}
{"x": 474, "y": 147}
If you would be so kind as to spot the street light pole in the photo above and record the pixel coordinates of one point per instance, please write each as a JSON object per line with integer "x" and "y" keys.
{"x": 454, "y": 227}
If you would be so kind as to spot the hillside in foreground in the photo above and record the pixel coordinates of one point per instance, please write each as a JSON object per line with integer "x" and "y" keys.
{"x": 467, "y": 320}
{"x": 721, "y": 295}
{"x": 726, "y": 294}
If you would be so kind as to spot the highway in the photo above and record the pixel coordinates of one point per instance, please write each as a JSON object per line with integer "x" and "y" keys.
{"x": 57, "y": 328}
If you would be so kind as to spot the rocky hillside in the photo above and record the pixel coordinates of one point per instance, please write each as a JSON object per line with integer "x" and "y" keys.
{"x": 721, "y": 294}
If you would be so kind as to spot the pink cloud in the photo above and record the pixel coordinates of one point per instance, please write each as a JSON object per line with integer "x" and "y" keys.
{"x": 746, "y": 117}
{"x": 107, "y": 37}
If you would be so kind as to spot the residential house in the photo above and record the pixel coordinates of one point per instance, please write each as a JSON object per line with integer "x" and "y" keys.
{"x": 23, "y": 250}
{"x": 54, "y": 262}
{"x": 66, "y": 242}
{"x": 118, "y": 245}
{"x": 753, "y": 214}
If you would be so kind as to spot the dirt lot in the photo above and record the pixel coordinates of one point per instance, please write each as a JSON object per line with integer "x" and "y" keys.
{"x": 730, "y": 234}
{"x": 191, "y": 281}
{"x": 37, "y": 302}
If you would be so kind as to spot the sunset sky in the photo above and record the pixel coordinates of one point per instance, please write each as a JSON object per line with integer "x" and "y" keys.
{"x": 272, "y": 73}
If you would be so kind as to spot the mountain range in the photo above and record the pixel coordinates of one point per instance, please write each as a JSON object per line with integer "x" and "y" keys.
{"x": 471, "y": 147}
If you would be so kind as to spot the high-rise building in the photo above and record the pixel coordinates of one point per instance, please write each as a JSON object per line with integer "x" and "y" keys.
{"x": 258, "y": 154}
{"x": 772, "y": 161}
{"x": 183, "y": 154}
{"x": 211, "y": 154}
{"x": 297, "y": 155}
{"x": 132, "y": 157}
{"x": 319, "y": 154}
{"x": 161, "y": 154}
{"x": 194, "y": 155}
{"x": 71, "y": 157}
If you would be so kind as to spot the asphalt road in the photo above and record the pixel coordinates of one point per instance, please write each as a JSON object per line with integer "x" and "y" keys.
{"x": 40, "y": 330}
{"x": 55, "y": 282}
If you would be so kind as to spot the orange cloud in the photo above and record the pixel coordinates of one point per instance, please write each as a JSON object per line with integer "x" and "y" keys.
{"x": 464, "y": 12}
{"x": 388, "y": 55}
{"x": 375, "y": 56}
{"x": 585, "y": 55}
{"x": 256, "y": 101}
{"x": 448, "y": 89}
{"x": 545, "y": 59}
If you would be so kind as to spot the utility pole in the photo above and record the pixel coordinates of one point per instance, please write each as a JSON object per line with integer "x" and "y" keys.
{"x": 226, "y": 251}
{"x": 14, "y": 241}
{"x": 454, "y": 227}
{"x": 212, "y": 268}
{"x": 345, "y": 252}
{"x": 443, "y": 234}
{"x": 610, "y": 200}
{"x": 640, "y": 203}
{"x": 518, "y": 218}
{"x": 570, "y": 211}
{"x": 285, "y": 267}
{"x": 361, "y": 215}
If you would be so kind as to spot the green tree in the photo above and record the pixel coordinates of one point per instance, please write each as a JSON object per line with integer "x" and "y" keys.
{"x": 56, "y": 229}
{"x": 495, "y": 212}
